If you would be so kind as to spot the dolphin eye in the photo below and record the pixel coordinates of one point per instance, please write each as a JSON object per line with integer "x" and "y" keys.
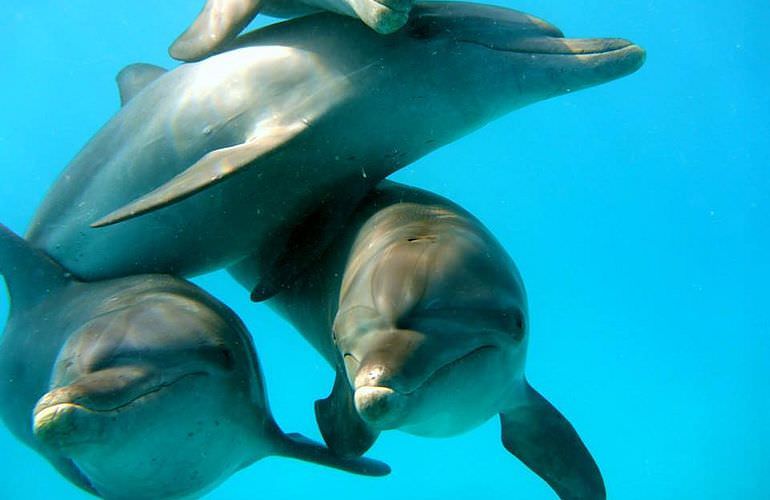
{"x": 517, "y": 323}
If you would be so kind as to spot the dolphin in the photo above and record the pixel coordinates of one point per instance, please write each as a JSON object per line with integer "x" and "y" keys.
{"x": 220, "y": 21}
{"x": 247, "y": 151}
{"x": 424, "y": 317}
{"x": 139, "y": 387}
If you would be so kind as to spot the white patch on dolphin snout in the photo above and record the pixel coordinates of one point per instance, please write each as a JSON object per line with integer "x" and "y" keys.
{"x": 380, "y": 407}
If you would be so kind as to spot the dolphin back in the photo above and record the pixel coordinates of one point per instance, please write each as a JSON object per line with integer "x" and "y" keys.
{"x": 30, "y": 275}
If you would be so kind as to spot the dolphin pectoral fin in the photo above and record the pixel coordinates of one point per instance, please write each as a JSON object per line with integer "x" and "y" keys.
{"x": 538, "y": 435}
{"x": 210, "y": 170}
{"x": 299, "y": 447}
{"x": 219, "y": 22}
{"x": 134, "y": 78}
{"x": 69, "y": 470}
{"x": 342, "y": 428}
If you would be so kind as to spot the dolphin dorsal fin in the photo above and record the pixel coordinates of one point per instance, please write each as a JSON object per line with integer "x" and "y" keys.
{"x": 29, "y": 274}
{"x": 134, "y": 78}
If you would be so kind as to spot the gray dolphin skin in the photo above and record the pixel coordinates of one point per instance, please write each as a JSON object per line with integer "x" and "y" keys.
{"x": 424, "y": 316}
{"x": 221, "y": 21}
{"x": 122, "y": 384}
{"x": 255, "y": 132}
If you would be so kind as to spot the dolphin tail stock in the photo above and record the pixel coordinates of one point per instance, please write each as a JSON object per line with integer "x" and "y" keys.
{"x": 538, "y": 435}
{"x": 302, "y": 448}
{"x": 29, "y": 274}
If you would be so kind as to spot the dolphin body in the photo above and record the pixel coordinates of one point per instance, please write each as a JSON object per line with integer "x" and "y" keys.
{"x": 140, "y": 387}
{"x": 424, "y": 317}
{"x": 220, "y": 21}
{"x": 289, "y": 130}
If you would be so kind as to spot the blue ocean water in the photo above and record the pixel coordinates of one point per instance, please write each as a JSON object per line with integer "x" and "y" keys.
{"x": 637, "y": 213}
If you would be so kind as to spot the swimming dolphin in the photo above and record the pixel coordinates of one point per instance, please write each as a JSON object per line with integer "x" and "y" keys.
{"x": 424, "y": 317}
{"x": 290, "y": 129}
{"x": 140, "y": 387}
{"x": 220, "y": 21}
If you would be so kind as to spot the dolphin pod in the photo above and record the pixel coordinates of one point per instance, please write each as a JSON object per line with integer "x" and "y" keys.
{"x": 126, "y": 380}
{"x": 268, "y": 157}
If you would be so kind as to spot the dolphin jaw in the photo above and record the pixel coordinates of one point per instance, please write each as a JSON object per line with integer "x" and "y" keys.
{"x": 384, "y": 407}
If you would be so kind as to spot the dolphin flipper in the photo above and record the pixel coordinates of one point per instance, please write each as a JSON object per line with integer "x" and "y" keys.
{"x": 218, "y": 23}
{"x": 210, "y": 170}
{"x": 343, "y": 429}
{"x": 299, "y": 447}
{"x": 538, "y": 435}
{"x": 134, "y": 78}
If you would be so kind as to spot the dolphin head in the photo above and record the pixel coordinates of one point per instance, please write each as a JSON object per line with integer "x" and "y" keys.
{"x": 452, "y": 68}
{"x": 431, "y": 323}
{"x": 492, "y": 60}
{"x": 140, "y": 389}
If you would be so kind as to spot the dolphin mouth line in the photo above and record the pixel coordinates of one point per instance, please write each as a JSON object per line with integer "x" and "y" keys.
{"x": 147, "y": 394}
{"x": 557, "y": 49}
{"x": 452, "y": 364}
{"x": 436, "y": 374}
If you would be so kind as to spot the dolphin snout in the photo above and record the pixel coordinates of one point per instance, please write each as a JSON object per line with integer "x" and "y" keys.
{"x": 380, "y": 396}
{"x": 65, "y": 426}
{"x": 380, "y": 407}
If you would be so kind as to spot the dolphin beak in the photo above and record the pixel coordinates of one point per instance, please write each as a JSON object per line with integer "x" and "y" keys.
{"x": 385, "y": 400}
{"x": 595, "y": 59}
{"x": 380, "y": 407}
{"x": 563, "y": 65}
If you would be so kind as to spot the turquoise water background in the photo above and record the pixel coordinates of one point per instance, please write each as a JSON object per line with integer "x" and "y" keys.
{"x": 637, "y": 213}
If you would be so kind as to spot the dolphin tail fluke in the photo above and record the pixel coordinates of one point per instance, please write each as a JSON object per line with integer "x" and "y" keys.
{"x": 299, "y": 447}
{"x": 29, "y": 273}
{"x": 538, "y": 435}
{"x": 342, "y": 428}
